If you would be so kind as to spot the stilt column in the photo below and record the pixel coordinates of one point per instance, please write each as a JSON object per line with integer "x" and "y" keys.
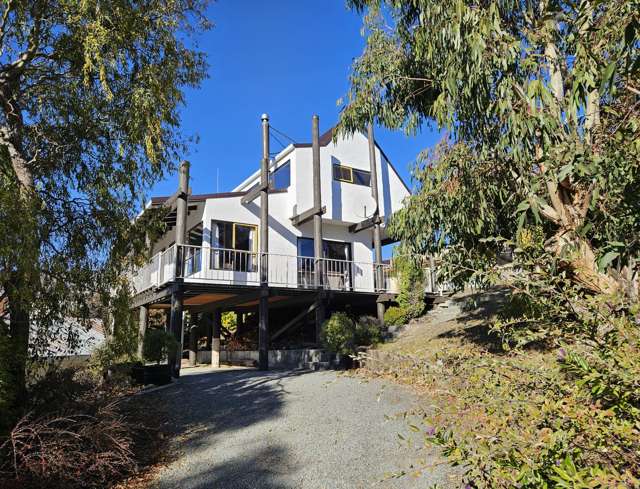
{"x": 178, "y": 291}
{"x": 263, "y": 323}
{"x": 377, "y": 241}
{"x": 215, "y": 339}
{"x": 193, "y": 343}
{"x": 142, "y": 328}
{"x": 317, "y": 226}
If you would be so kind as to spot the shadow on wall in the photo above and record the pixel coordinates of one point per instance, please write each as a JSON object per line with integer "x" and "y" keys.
{"x": 274, "y": 224}
{"x": 336, "y": 193}
{"x": 385, "y": 191}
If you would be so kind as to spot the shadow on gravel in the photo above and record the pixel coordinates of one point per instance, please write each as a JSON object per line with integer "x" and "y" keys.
{"x": 207, "y": 406}
{"x": 259, "y": 469}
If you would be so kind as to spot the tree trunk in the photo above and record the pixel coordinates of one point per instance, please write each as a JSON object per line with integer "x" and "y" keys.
{"x": 18, "y": 347}
{"x": 576, "y": 254}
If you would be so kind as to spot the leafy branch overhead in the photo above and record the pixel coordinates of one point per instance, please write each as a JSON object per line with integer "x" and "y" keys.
{"x": 90, "y": 100}
{"x": 541, "y": 105}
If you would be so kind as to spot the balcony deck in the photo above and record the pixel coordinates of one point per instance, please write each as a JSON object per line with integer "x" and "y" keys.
{"x": 237, "y": 268}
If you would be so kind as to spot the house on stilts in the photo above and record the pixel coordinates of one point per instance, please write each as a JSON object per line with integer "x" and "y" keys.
{"x": 296, "y": 240}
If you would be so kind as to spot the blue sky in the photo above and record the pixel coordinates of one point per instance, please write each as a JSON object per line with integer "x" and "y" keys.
{"x": 287, "y": 58}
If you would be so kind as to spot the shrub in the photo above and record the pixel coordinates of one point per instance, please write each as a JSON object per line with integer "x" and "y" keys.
{"x": 412, "y": 285}
{"x": 77, "y": 435}
{"x": 158, "y": 345}
{"x": 367, "y": 331}
{"x": 395, "y": 316}
{"x": 338, "y": 334}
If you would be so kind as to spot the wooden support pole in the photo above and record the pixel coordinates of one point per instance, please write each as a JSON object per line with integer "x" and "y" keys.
{"x": 317, "y": 226}
{"x": 377, "y": 242}
{"x": 263, "y": 321}
{"x": 178, "y": 293}
{"x": 215, "y": 339}
{"x": 193, "y": 342}
{"x": 142, "y": 328}
{"x": 176, "y": 330}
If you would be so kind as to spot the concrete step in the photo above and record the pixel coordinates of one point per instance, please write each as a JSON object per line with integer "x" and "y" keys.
{"x": 317, "y": 365}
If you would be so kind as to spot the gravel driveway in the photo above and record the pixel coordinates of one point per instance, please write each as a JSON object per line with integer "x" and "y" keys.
{"x": 241, "y": 428}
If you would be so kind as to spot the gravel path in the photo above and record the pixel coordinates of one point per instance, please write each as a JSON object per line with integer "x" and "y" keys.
{"x": 241, "y": 428}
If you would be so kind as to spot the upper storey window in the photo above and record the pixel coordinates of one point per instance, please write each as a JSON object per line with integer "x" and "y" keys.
{"x": 280, "y": 178}
{"x": 347, "y": 174}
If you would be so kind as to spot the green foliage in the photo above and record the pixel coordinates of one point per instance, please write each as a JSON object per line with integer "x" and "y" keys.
{"x": 542, "y": 157}
{"x": 410, "y": 273}
{"x": 229, "y": 321}
{"x": 158, "y": 345}
{"x": 341, "y": 334}
{"x": 367, "y": 331}
{"x": 92, "y": 95}
{"x": 395, "y": 316}
{"x": 338, "y": 334}
{"x": 542, "y": 120}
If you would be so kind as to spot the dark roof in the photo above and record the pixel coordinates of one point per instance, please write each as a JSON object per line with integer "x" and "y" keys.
{"x": 201, "y": 197}
{"x": 326, "y": 138}
{"x": 219, "y": 195}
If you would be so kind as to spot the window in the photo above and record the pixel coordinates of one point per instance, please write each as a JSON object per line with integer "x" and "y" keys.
{"x": 361, "y": 177}
{"x": 234, "y": 246}
{"x": 342, "y": 173}
{"x": 347, "y": 174}
{"x": 280, "y": 178}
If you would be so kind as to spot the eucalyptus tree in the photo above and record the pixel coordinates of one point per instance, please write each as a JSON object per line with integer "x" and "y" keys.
{"x": 90, "y": 97}
{"x": 540, "y": 101}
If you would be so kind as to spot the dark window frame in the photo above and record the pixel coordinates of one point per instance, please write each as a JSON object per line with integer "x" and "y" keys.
{"x": 339, "y": 176}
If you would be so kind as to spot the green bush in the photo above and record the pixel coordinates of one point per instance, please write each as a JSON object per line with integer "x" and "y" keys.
{"x": 395, "y": 316}
{"x": 412, "y": 283}
{"x": 367, "y": 331}
{"x": 158, "y": 345}
{"x": 340, "y": 334}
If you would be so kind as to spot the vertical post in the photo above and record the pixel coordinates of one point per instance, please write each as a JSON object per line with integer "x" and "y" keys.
{"x": 144, "y": 310}
{"x": 193, "y": 342}
{"x": 263, "y": 323}
{"x": 215, "y": 339}
{"x": 317, "y": 225}
{"x": 432, "y": 272}
{"x": 142, "y": 328}
{"x": 377, "y": 243}
{"x": 178, "y": 291}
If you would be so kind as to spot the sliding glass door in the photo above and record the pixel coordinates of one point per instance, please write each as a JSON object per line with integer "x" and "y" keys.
{"x": 336, "y": 267}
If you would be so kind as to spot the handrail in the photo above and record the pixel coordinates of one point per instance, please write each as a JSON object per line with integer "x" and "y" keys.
{"x": 241, "y": 267}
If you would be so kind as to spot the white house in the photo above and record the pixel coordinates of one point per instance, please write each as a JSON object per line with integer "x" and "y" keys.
{"x": 219, "y": 265}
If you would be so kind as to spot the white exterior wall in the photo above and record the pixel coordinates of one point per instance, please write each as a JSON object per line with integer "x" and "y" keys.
{"x": 345, "y": 203}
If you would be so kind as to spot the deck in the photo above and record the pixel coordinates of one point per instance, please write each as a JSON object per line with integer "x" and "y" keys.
{"x": 227, "y": 267}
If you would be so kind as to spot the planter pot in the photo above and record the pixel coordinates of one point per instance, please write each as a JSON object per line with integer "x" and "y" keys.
{"x": 344, "y": 362}
{"x": 152, "y": 374}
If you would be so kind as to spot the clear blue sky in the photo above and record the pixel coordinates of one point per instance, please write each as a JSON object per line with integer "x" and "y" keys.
{"x": 288, "y": 58}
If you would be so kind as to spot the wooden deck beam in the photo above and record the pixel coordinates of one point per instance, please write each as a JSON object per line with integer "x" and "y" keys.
{"x": 253, "y": 194}
{"x": 366, "y": 224}
{"x": 308, "y": 215}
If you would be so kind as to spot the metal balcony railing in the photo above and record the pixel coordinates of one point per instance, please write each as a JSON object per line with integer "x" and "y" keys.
{"x": 238, "y": 267}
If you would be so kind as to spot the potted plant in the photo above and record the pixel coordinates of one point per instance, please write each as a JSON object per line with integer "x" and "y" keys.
{"x": 158, "y": 345}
